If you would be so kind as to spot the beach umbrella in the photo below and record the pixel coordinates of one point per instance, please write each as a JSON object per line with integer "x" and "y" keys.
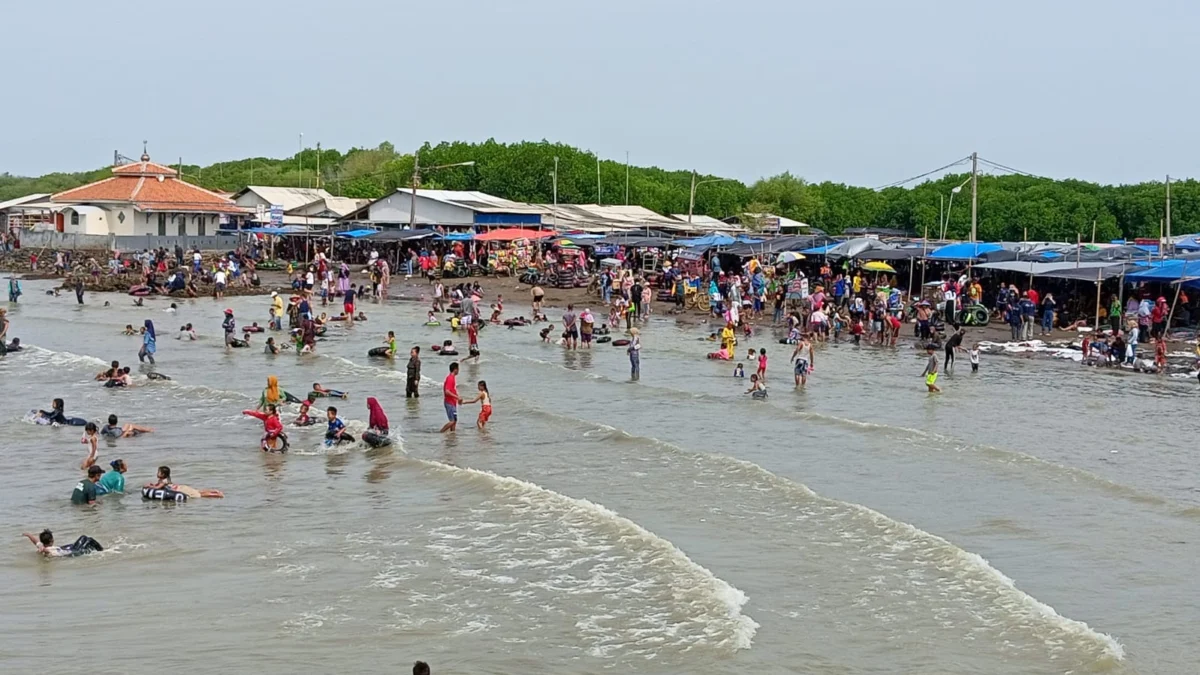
{"x": 788, "y": 257}
{"x": 877, "y": 266}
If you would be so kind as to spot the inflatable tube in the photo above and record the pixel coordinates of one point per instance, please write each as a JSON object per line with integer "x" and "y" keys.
{"x": 71, "y": 421}
{"x": 620, "y": 343}
{"x": 252, "y": 329}
{"x": 277, "y": 444}
{"x": 321, "y": 331}
{"x": 163, "y": 494}
{"x": 378, "y": 352}
{"x": 139, "y": 291}
{"x": 375, "y": 440}
{"x": 759, "y": 395}
{"x": 602, "y": 339}
{"x": 344, "y": 438}
{"x": 290, "y": 398}
{"x": 433, "y": 323}
{"x": 238, "y": 344}
{"x": 82, "y": 546}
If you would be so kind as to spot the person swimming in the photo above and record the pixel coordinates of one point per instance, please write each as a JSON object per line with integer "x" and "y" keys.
{"x": 164, "y": 481}
{"x": 361, "y": 316}
{"x": 739, "y": 371}
{"x": 115, "y": 429}
{"x": 318, "y": 391}
{"x": 55, "y": 415}
{"x": 15, "y": 345}
{"x": 336, "y": 431}
{"x": 45, "y": 545}
{"x": 304, "y": 419}
{"x": 110, "y": 373}
{"x": 272, "y": 429}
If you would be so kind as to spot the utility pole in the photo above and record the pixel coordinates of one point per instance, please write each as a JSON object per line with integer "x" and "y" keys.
{"x": 1168, "y": 244}
{"x": 252, "y": 171}
{"x": 974, "y": 194}
{"x": 692, "y": 198}
{"x": 300, "y": 162}
{"x": 556, "y": 183}
{"x": 318, "y": 166}
{"x": 412, "y": 195}
{"x": 626, "y": 178}
{"x": 597, "y": 180}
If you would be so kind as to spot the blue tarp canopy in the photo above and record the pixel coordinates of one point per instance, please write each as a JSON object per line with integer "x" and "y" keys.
{"x": 716, "y": 239}
{"x": 1169, "y": 271}
{"x": 458, "y": 236}
{"x": 355, "y": 234}
{"x": 287, "y": 229}
{"x": 820, "y": 250}
{"x": 963, "y": 251}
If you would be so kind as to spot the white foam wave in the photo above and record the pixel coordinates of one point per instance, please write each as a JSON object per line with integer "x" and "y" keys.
{"x": 692, "y": 583}
{"x": 67, "y": 359}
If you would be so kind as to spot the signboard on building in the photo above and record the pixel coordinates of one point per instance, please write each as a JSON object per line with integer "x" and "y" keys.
{"x": 276, "y": 215}
{"x": 768, "y": 224}
{"x": 223, "y": 218}
{"x": 260, "y": 212}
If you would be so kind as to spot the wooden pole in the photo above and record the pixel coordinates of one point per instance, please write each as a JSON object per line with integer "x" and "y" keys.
{"x": 1096, "y": 328}
{"x": 1178, "y": 289}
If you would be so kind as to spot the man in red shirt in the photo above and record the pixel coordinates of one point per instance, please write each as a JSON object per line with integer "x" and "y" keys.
{"x": 450, "y": 398}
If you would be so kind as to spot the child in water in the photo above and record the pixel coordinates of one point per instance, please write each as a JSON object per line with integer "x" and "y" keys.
{"x": 974, "y": 354}
{"x": 762, "y": 365}
{"x": 45, "y": 545}
{"x": 91, "y": 437}
{"x": 485, "y": 399}
{"x": 336, "y": 431}
{"x": 272, "y": 428}
{"x": 739, "y": 371}
{"x": 757, "y": 390}
{"x": 318, "y": 391}
{"x": 431, "y": 320}
{"x": 303, "y": 419}
{"x": 129, "y": 330}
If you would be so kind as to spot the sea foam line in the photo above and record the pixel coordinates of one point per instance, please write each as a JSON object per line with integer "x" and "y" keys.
{"x": 730, "y": 599}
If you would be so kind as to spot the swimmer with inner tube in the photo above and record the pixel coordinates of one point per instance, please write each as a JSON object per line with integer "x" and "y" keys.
{"x": 318, "y": 391}
{"x": 164, "y": 481}
{"x": 45, "y": 545}
{"x": 252, "y": 328}
{"x": 336, "y": 432}
{"x": 376, "y": 434}
{"x": 448, "y": 349}
{"x": 431, "y": 320}
{"x": 304, "y": 419}
{"x": 116, "y": 430}
{"x": 55, "y": 415}
{"x": 121, "y": 379}
{"x": 391, "y": 344}
{"x": 361, "y": 316}
{"x": 272, "y": 429}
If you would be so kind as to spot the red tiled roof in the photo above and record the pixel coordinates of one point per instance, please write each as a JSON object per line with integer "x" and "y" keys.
{"x": 150, "y": 187}
{"x": 143, "y": 169}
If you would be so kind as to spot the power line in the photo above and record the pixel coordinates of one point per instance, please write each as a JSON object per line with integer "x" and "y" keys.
{"x": 927, "y": 173}
{"x": 1009, "y": 169}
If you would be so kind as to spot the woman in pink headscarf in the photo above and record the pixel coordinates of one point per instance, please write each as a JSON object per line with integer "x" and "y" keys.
{"x": 377, "y": 425}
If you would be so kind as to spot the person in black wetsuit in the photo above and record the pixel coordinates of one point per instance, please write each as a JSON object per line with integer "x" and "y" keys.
{"x": 55, "y": 415}
{"x": 45, "y": 545}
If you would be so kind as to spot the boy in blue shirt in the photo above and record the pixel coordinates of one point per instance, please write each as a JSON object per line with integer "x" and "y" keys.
{"x": 336, "y": 432}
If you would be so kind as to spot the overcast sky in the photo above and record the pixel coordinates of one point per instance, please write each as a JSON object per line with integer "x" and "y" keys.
{"x": 864, "y": 92}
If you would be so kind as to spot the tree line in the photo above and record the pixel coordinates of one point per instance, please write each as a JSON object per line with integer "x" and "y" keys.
{"x": 1011, "y": 207}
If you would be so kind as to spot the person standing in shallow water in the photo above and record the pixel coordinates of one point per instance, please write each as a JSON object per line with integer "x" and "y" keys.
{"x": 451, "y": 399}
{"x": 635, "y": 354}
{"x": 413, "y": 379}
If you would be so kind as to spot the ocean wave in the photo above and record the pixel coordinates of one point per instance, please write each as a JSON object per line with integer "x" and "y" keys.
{"x": 719, "y": 604}
{"x": 971, "y": 571}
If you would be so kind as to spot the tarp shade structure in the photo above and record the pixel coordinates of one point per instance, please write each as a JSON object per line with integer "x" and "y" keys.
{"x": 1085, "y": 271}
{"x": 638, "y": 241}
{"x": 402, "y": 235}
{"x": 1169, "y": 271}
{"x": 963, "y": 251}
{"x": 716, "y": 239}
{"x": 512, "y": 234}
{"x": 776, "y": 245}
{"x": 355, "y": 234}
{"x": 277, "y": 231}
{"x": 819, "y": 250}
{"x": 893, "y": 254}
{"x": 854, "y": 248}
{"x": 460, "y": 236}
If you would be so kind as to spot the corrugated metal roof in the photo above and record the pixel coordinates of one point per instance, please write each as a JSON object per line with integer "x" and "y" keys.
{"x": 288, "y": 198}
{"x": 20, "y": 201}
{"x": 708, "y": 223}
{"x": 480, "y": 202}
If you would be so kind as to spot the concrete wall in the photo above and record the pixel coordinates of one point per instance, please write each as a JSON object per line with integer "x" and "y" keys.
{"x": 56, "y": 240}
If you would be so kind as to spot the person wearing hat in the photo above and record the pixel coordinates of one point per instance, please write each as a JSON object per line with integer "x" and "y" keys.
{"x": 229, "y": 327}
{"x": 85, "y": 491}
{"x": 635, "y": 354}
{"x": 276, "y": 311}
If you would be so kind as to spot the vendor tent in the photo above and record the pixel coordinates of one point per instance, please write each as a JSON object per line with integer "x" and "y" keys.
{"x": 853, "y": 248}
{"x": 963, "y": 251}
{"x": 402, "y": 235}
{"x": 716, "y": 239}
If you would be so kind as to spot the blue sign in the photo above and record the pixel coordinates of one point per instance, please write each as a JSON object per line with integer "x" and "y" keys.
{"x": 277, "y": 215}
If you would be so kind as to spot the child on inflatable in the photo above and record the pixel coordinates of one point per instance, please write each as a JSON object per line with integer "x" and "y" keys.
{"x": 319, "y": 391}
{"x": 272, "y": 428}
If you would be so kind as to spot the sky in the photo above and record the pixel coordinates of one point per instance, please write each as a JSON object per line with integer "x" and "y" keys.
{"x": 865, "y": 92}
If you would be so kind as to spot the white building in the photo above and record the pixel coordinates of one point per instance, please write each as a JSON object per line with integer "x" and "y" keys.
{"x": 301, "y": 206}
{"x": 143, "y": 198}
{"x": 449, "y": 208}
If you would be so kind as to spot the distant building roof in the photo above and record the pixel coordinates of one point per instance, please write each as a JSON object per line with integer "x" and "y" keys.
{"x": 598, "y": 218}
{"x": 149, "y": 187}
{"x": 21, "y": 201}
{"x": 288, "y": 197}
{"x": 480, "y": 202}
{"x": 708, "y": 223}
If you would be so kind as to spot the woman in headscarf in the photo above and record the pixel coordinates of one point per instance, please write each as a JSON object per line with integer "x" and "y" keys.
{"x": 343, "y": 279}
{"x": 149, "y": 342}
{"x": 273, "y": 395}
{"x": 377, "y": 431}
